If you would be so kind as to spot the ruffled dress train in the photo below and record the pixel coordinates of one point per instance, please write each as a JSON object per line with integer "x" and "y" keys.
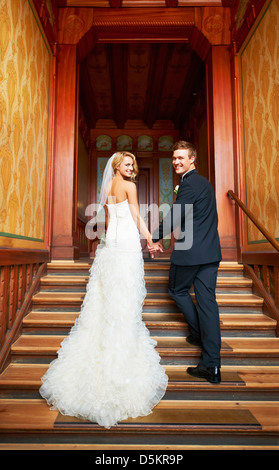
{"x": 107, "y": 368}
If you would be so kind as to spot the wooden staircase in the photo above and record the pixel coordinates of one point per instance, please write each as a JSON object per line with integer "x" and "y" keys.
{"x": 240, "y": 413}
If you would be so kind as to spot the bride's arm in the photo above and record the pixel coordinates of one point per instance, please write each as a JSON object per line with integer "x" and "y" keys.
{"x": 107, "y": 217}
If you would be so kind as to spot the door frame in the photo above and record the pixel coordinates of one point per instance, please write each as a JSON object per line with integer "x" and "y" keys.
{"x": 207, "y": 31}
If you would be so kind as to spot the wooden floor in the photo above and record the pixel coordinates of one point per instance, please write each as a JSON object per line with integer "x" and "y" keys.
{"x": 240, "y": 413}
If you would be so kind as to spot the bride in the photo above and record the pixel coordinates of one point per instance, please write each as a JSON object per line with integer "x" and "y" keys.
{"x": 107, "y": 369}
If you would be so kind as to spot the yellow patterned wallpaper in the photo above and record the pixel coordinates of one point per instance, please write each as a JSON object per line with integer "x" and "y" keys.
{"x": 260, "y": 91}
{"x": 24, "y": 112}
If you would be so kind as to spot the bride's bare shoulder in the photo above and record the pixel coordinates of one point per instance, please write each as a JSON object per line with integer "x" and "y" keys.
{"x": 129, "y": 185}
{"x": 131, "y": 190}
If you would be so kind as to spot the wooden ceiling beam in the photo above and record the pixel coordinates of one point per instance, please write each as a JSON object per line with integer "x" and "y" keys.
{"x": 160, "y": 56}
{"x": 117, "y": 56}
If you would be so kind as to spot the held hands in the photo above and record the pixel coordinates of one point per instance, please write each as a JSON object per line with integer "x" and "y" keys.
{"x": 154, "y": 247}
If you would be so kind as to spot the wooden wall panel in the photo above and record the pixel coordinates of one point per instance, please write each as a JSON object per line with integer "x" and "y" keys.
{"x": 259, "y": 62}
{"x": 26, "y": 69}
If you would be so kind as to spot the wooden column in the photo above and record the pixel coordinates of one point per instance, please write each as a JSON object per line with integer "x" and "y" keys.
{"x": 221, "y": 148}
{"x": 64, "y": 206}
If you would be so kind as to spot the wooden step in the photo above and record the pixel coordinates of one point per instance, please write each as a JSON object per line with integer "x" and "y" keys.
{"x": 72, "y": 265}
{"x": 242, "y": 411}
{"x": 19, "y": 376}
{"x": 223, "y": 300}
{"x": 168, "y": 417}
{"x": 164, "y": 321}
{"x": 153, "y": 265}
{"x": 226, "y": 267}
{"x": 169, "y": 347}
{"x": 76, "y": 278}
{"x": 232, "y": 282}
{"x": 153, "y": 283}
{"x": 76, "y": 298}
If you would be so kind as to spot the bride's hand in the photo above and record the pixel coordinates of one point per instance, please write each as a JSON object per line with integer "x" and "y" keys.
{"x": 154, "y": 247}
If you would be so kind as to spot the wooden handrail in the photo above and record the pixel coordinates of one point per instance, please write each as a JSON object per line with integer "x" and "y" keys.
{"x": 255, "y": 221}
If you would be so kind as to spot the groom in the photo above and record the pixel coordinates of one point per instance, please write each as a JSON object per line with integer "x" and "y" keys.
{"x": 195, "y": 259}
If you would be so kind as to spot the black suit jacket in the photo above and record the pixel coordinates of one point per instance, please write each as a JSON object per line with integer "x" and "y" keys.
{"x": 198, "y": 242}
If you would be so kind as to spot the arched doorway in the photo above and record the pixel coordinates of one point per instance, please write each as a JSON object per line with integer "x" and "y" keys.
{"x": 204, "y": 117}
{"x": 142, "y": 97}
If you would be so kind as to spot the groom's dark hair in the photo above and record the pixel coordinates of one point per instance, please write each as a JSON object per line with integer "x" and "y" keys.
{"x": 182, "y": 144}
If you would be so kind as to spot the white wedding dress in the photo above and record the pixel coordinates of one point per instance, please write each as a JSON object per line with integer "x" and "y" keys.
{"x": 107, "y": 369}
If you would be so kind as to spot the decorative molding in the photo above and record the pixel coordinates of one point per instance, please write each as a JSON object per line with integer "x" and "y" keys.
{"x": 75, "y": 25}
{"x": 213, "y": 24}
{"x": 144, "y": 17}
{"x": 141, "y": 23}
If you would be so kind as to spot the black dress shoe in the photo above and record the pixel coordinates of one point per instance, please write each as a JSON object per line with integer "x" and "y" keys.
{"x": 192, "y": 340}
{"x": 211, "y": 374}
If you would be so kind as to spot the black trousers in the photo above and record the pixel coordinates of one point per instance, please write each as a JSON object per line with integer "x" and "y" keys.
{"x": 202, "y": 318}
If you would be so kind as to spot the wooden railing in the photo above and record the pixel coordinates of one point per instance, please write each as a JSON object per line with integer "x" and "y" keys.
{"x": 20, "y": 274}
{"x": 262, "y": 267}
{"x": 81, "y": 239}
{"x": 255, "y": 221}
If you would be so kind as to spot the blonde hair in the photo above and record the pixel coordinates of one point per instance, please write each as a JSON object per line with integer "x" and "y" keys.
{"x": 119, "y": 157}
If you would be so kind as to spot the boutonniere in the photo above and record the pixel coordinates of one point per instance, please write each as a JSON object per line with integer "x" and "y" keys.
{"x": 176, "y": 189}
